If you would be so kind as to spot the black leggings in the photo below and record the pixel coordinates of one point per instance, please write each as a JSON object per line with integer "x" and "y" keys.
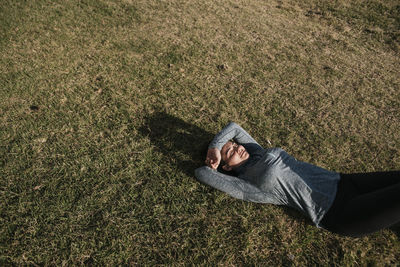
{"x": 364, "y": 203}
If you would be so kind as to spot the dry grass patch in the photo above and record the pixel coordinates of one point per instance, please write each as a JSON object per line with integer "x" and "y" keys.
{"x": 107, "y": 106}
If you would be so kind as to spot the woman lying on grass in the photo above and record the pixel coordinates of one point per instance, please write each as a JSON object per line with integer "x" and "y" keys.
{"x": 347, "y": 204}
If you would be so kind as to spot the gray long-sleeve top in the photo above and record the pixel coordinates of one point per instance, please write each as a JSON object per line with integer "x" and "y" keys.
{"x": 273, "y": 176}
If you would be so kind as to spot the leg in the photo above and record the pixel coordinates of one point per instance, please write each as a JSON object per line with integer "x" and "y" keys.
{"x": 356, "y": 213}
{"x": 372, "y": 181}
{"x": 370, "y": 212}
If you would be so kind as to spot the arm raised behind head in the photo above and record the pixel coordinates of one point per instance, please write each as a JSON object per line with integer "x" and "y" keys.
{"x": 232, "y": 131}
{"x": 233, "y": 186}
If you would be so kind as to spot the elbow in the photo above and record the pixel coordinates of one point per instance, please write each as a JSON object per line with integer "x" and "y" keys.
{"x": 204, "y": 174}
{"x": 232, "y": 124}
{"x": 200, "y": 172}
{"x": 197, "y": 172}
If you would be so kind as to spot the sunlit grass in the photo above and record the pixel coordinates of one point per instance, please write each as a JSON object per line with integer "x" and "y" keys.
{"x": 107, "y": 106}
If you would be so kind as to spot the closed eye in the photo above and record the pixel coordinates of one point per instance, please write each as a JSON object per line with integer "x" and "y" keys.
{"x": 228, "y": 153}
{"x": 232, "y": 149}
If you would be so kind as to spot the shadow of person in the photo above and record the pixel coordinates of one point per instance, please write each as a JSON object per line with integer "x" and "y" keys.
{"x": 396, "y": 229}
{"x": 183, "y": 144}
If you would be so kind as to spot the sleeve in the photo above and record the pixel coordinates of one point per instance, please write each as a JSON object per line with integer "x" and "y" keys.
{"x": 235, "y": 132}
{"x": 233, "y": 186}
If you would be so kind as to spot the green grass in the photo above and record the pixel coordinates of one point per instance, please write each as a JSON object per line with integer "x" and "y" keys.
{"x": 107, "y": 107}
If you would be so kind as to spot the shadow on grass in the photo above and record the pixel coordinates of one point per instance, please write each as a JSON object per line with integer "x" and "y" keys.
{"x": 183, "y": 144}
{"x": 396, "y": 229}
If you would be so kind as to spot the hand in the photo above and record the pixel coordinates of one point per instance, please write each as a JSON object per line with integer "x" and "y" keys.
{"x": 213, "y": 158}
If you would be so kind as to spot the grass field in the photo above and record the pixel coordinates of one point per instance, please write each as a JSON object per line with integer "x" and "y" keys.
{"x": 107, "y": 106}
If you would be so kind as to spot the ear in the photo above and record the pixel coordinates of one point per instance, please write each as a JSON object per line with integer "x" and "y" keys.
{"x": 226, "y": 167}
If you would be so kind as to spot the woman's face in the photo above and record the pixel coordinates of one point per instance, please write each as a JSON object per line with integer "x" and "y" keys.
{"x": 234, "y": 155}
